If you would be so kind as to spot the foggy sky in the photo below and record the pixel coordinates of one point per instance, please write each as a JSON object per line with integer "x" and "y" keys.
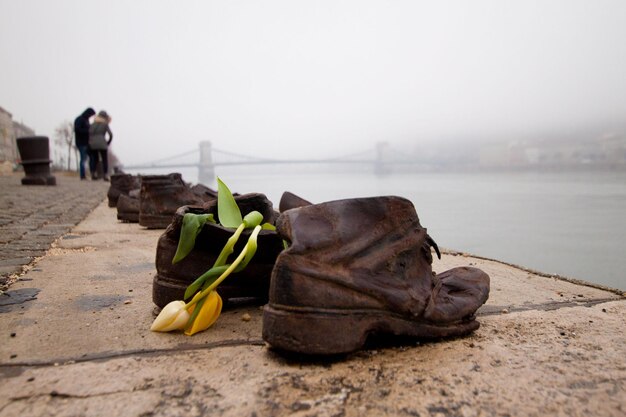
{"x": 316, "y": 78}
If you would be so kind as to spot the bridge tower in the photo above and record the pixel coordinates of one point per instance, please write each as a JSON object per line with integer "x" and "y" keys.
{"x": 206, "y": 170}
{"x": 381, "y": 164}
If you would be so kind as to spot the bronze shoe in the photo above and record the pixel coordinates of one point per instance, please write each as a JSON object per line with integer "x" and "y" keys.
{"x": 171, "y": 280}
{"x": 121, "y": 184}
{"x": 128, "y": 207}
{"x": 161, "y": 196}
{"x": 363, "y": 266}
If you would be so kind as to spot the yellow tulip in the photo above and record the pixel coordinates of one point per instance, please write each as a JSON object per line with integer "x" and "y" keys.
{"x": 172, "y": 317}
{"x": 209, "y": 312}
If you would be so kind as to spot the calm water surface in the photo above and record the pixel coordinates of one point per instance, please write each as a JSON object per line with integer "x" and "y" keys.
{"x": 570, "y": 224}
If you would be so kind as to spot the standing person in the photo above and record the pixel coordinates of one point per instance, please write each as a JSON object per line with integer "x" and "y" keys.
{"x": 99, "y": 144}
{"x": 81, "y": 133}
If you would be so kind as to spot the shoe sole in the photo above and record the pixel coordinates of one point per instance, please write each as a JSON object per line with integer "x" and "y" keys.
{"x": 165, "y": 291}
{"x": 129, "y": 217}
{"x": 333, "y": 332}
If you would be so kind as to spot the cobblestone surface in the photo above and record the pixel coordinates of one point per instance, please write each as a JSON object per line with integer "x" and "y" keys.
{"x": 32, "y": 217}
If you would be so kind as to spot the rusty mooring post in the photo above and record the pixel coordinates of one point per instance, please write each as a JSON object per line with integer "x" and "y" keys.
{"x": 35, "y": 155}
{"x": 206, "y": 170}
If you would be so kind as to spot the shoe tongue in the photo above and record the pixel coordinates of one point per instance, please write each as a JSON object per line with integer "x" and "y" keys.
{"x": 290, "y": 201}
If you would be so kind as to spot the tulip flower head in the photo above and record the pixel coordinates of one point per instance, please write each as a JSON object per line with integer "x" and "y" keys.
{"x": 173, "y": 316}
{"x": 208, "y": 312}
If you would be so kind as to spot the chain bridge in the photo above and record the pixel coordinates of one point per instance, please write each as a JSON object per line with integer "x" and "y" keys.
{"x": 206, "y": 158}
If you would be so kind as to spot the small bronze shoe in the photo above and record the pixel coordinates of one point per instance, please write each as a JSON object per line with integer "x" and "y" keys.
{"x": 161, "y": 196}
{"x": 363, "y": 266}
{"x": 128, "y": 207}
{"x": 171, "y": 280}
{"x": 121, "y": 184}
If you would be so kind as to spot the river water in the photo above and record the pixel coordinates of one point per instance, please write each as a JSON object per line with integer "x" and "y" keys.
{"x": 566, "y": 223}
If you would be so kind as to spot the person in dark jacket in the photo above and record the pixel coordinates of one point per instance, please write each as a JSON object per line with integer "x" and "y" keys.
{"x": 99, "y": 144}
{"x": 81, "y": 133}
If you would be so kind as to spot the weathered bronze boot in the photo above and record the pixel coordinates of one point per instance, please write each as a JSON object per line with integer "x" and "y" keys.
{"x": 363, "y": 266}
{"x": 161, "y": 196}
{"x": 121, "y": 184}
{"x": 171, "y": 280}
{"x": 128, "y": 207}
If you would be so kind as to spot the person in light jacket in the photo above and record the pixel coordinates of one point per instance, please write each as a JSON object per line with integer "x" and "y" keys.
{"x": 99, "y": 144}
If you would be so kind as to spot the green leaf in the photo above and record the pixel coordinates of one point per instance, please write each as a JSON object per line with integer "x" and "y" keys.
{"x": 268, "y": 226}
{"x": 252, "y": 219}
{"x": 250, "y": 249}
{"x": 192, "y": 226}
{"x": 205, "y": 279}
{"x": 227, "y": 209}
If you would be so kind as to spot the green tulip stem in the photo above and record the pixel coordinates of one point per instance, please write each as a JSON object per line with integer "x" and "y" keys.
{"x": 229, "y": 246}
{"x": 226, "y": 273}
{"x": 195, "y": 313}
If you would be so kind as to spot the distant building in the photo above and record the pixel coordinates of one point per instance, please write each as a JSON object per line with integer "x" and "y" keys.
{"x": 10, "y": 130}
{"x": 495, "y": 155}
{"x": 607, "y": 152}
{"x": 614, "y": 147}
{"x": 22, "y": 130}
{"x": 8, "y": 147}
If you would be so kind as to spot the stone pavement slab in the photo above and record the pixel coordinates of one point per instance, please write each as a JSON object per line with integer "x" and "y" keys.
{"x": 77, "y": 343}
{"x": 32, "y": 217}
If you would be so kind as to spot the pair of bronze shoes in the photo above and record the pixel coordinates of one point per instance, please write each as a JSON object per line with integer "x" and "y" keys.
{"x": 351, "y": 268}
{"x": 152, "y": 200}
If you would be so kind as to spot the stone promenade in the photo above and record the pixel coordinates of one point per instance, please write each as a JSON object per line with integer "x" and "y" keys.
{"x": 32, "y": 217}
